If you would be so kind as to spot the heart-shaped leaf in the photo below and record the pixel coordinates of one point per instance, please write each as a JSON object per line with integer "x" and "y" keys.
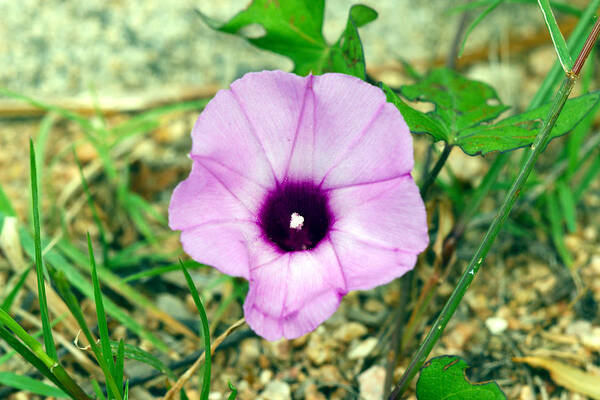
{"x": 460, "y": 103}
{"x": 443, "y": 378}
{"x": 465, "y": 108}
{"x": 346, "y": 55}
{"x": 293, "y": 28}
{"x": 520, "y": 130}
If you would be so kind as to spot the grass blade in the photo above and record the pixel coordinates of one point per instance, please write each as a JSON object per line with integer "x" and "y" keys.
{"x": 558, "y": 6}
{"x": 575, "y": 42}
{"x": 114, "y": 282}
{"x": 30, "y": 385}
{"x": 82, "y": 121}
{"x": 205, "y": 333}
{"x": 119, "y": 364}
{"x": 189, "y": 264}
{"x": 567, "y": 205}
{"x": 6, "y": 207}
{"x": 556, "y": 228}
{"x": 29, "y": 356}
{"x": 55, "y": 259}
{"x": 36, "y": 335}
{"x": 73, "y": 304}
{"x": 592, "y": 172}
{"x": 102, "y": 325}
{"x": 39, "y": 267}
{"x": 132, "y": 352}
{"x": 476, "y": 22}
{"x": 557, "y": 38}
{"x": 36, "y": 356}
{"x": 10, "y": 298}
{"x": 98, "y": 390}
{"x": 92, "y": 205}
{"x": 233, "y": 393}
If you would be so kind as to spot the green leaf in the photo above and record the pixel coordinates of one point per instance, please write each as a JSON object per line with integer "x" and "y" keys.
{"x": 419, "y": 122}
{"x": 7, "y": 302}
{"x": 557, "y": 38}
{"x": 28, "y": 384}
{"x": 520, "y": 130}
{"x": 346, "y": 55}
{"x": 460, "y": 103}
{"x": 293, "y": 28}
{"x": 444, "y": 378}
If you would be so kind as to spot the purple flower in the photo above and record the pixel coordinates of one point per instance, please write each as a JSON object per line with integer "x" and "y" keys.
{"x": 302, "y": 186}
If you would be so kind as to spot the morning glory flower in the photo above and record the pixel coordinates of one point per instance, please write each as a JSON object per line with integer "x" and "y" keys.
{"x": 302, "y": 186}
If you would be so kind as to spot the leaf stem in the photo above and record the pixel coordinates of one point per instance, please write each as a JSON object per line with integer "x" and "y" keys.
{"x": 468, "y": 275}
{"x": 435, "y": 170}
{"x": 587, "y": 47}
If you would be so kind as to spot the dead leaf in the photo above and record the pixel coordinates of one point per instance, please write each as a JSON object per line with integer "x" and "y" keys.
{"x": 567, "y": 376}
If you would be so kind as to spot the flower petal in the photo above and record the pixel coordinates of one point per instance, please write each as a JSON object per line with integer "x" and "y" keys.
{"x": 367, "y": 265}
{"x": 384, "y": 151}
{"x": 224, "y": 135}
{"x": 202, "y": 198}
{"x": 224, "y": 245}
{"x": 344, "y": 109}
{"x": 294, "y": 294}
{"x": 273, "y": 103}
{"x": 388, "y": 213}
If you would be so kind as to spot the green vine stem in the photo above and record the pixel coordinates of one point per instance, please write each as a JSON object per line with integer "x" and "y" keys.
{"x": 435, "y": 170}
{"x": 468, "y": 275}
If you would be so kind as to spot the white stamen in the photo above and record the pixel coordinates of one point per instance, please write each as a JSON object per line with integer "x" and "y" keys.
{"x": 296, "y": 221}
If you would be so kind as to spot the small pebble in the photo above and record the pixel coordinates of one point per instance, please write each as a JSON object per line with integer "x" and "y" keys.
{"x": 496, "y": 325}
{"x": 276, "y": 390}
{"x": 316, "y": 350}
{"x": 371, "y": 382}
{"x": 350, "y": 331}
{"x": 362, "y": 349}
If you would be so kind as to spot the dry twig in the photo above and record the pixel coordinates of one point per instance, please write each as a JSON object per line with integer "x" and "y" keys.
{"x": 187, "y": 375}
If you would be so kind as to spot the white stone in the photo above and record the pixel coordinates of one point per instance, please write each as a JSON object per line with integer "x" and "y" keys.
{"x": 496, "y": 325}
{"x": 370, "y": 383}
{"x": 362, "y": 349}
{"x": 276, "y": 390}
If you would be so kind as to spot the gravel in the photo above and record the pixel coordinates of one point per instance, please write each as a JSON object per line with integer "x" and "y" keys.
{"x": 68, "y": 48}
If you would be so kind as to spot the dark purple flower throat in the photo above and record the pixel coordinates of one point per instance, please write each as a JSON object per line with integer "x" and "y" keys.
{"x": 295, "y": 216}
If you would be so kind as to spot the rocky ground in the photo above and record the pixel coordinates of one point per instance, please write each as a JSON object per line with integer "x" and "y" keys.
{"x": 524, "y": 303}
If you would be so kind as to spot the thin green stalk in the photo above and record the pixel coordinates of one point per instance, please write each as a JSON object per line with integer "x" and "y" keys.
{"x": 539, "y": 144}
{"x": 39, "y": 266}
{"x": 435, "y": 170}
{"x": 205, "y": 332}
{"x": 468, "y": 275}
{"x": 94, "y": 211}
